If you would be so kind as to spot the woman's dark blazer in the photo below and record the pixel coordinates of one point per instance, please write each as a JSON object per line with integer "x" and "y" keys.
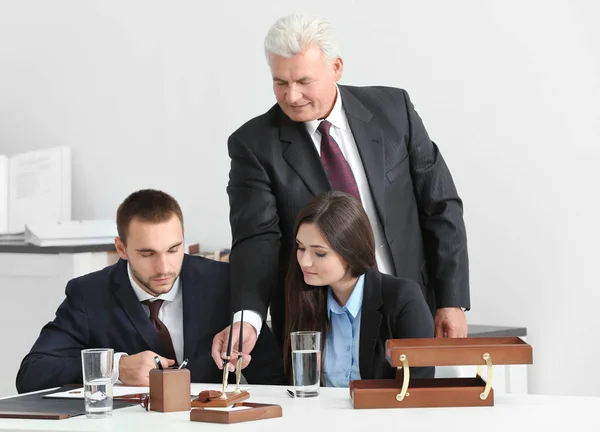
{"x": 392, "y": 308}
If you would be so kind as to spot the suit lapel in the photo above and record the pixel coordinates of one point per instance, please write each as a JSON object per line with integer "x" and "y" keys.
{"x": 132, "y": 307}
{"x": 369, "y": 141}
{"x": 301, "y": 154}
{"x": 370, "y": 322}
{"x": 191, "y": 311}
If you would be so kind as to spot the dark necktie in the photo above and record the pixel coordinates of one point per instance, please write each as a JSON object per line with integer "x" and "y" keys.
{"x": 337, "y": 167}
{"x": 161, "y": 328}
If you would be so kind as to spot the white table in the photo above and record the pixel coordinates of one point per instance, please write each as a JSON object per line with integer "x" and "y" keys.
{"x": 332, "y": 411}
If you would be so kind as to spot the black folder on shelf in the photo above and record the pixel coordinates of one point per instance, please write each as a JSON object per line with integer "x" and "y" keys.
{"x": 36, "y": 406}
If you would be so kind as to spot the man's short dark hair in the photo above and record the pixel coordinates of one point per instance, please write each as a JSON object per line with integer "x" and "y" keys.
{"x": 146, "y": 205}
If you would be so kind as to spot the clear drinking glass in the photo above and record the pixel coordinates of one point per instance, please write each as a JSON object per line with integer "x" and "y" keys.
{"x": 306, "y": 362}
{"x": 97, "y": 368}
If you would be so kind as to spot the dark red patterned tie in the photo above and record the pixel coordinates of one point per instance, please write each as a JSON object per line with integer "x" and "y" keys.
{"x": 338, "y": 169}
{"x": 161, "y": 328}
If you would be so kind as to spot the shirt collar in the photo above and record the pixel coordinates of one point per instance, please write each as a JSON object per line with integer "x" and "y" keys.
{"x": 336, "y": 117}
{"x": 143, "y": 295}
{"x": 354, "y": 303}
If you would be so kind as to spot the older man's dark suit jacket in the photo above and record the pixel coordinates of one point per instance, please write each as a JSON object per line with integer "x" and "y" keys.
{"x": 276, "y": 171}
{"x": 101, "y": 310}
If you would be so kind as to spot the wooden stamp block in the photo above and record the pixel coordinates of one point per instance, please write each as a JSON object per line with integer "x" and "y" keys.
{"x": 212, "y": 398}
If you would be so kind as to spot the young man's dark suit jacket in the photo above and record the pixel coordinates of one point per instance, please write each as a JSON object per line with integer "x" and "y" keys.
{"x": 392, "y": 308}
{"x": 101, "y": 310}
{"x": 276, "y": 171}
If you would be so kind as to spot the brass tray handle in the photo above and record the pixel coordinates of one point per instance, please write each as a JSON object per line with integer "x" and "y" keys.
{"x": 405, "y": 379}
{"x": 490, "y": 375}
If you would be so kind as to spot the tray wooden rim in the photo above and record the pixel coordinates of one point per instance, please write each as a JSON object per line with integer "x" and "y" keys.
{"x": 258, "y": 411}
{"x": 471, "y": 342}
{"x": 503, "y": 350}
{"x": 457, "y": 392}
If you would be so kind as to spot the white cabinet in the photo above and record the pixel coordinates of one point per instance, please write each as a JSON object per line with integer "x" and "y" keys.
{"x": 33, "y": 286}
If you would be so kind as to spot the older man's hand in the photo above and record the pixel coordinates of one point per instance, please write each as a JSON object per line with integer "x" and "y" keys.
{"x": 451, "y": 323}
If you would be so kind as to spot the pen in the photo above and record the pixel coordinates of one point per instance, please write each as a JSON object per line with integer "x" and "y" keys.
{"x": 228, "y": 355}
{"x": 183, "y": 364}
{"x": 227, "y": 358}
{"x": 241, "y": 335}
{"x": 157, "y": 362}
{"x": 238, "y": 368}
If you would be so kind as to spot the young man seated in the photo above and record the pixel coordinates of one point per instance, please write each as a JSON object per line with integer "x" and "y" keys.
{"x": 155, "y": 300}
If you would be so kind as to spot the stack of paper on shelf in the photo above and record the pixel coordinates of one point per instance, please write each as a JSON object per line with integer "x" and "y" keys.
{"x": 71, "y": 233}
{"x": 34, "y": 186}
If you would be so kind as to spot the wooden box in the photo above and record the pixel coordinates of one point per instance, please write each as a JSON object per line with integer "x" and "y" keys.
{"x": 170, "y": 390}
{"x": 404, "y": 392}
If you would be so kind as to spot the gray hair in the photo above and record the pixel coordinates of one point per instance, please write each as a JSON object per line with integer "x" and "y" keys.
{"x": 291, "y": 34}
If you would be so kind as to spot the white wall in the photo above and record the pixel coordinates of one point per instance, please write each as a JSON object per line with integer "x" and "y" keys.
{"x": 146, "y": 93}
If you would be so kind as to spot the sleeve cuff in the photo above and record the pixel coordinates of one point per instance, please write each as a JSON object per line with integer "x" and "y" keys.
{"x": 116, "y": 359}
{"x": 251, "y": 318}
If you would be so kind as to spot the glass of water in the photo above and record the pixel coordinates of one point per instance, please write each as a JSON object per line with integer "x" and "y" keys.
{"x": 306, "y": 362}
{"x": 97, "y": 366}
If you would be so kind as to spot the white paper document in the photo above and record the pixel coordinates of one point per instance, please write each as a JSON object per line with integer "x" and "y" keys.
{"x": 71, "y": 233}
{"x": 229, "y": 408}
{"x": 3, "y": 194}
{"x": 77, "y": 393}
{"x": 34, "y": 186}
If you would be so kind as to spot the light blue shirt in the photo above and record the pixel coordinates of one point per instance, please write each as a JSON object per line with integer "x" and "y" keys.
{"x": 341, "y": 346}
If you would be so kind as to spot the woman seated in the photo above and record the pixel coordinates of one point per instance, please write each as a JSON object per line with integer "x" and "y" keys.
{"x": 333, "y": 286}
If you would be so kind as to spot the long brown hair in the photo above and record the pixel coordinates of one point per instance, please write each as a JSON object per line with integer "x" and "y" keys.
{"x": 345, "y": 226}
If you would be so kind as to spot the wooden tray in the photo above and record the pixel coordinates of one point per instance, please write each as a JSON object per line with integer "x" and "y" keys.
{"x": 256, "y": 411}
{"x": 458, "y": 352}
{"x": 422, "y": 393}
{"x": 405, "y": 392}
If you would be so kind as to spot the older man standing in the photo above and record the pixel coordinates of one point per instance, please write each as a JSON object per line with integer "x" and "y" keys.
{"x": 368, "y": 141}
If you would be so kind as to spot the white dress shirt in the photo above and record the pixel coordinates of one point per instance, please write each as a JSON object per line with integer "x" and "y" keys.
{"x": 170, "y": 313}
{"x": 342, "y": 134}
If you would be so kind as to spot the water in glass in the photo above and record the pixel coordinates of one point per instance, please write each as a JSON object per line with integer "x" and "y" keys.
{"x": 306, "y": 367}
{"x": 98, "y": 398}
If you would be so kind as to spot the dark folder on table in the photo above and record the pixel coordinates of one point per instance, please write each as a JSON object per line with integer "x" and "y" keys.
{"x": 36, "y": 406}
